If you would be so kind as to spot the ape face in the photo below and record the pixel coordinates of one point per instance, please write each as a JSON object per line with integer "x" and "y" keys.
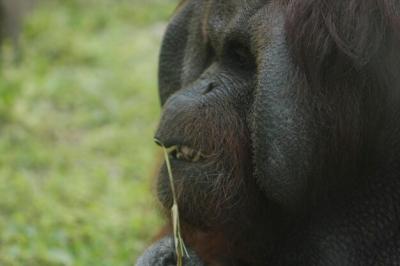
{"x": 238, "y": 121}
{"x": 228, "y": 167}
{"x": 272, "y": 112}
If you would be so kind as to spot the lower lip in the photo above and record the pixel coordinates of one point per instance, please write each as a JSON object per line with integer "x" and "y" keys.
{"x": 182, "y": 169}
{"x": 183, "y": 172}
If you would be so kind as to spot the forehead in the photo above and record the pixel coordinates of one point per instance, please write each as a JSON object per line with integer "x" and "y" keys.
{"x": 228, "y": 11}
{"x": 223, "y": 19}
{"x": 235, "y": 5}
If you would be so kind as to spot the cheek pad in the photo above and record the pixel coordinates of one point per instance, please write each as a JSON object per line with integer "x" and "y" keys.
{"x": 278, "y": 127}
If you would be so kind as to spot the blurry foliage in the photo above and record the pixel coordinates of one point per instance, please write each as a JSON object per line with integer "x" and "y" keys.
{"x": 77, "y": 116}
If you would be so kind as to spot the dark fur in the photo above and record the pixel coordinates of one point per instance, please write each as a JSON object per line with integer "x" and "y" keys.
{"x": 296, "y": 105}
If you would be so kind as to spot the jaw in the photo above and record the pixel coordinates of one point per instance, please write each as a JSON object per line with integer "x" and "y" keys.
{"x": 208, "y": 194}
{"x": 220, "y": 210}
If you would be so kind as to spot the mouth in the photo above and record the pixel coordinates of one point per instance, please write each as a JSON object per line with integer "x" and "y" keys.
{"x": 192, "y": 171}
{"x": 197, "y": 176}
{"x": 182, "y": 152}
{"x": 185, "y": 153}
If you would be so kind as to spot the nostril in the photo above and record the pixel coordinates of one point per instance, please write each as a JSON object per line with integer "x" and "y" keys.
{"x": 209, "y": 88}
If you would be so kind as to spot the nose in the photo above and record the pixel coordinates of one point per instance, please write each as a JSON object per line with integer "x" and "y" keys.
{"x": 180, "y": 109}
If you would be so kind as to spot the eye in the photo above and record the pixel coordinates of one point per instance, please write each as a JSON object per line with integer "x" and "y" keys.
{"x": 239, "y": 56}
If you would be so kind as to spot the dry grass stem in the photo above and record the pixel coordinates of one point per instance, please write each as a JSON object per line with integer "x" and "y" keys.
{"x": 180, "y": 248}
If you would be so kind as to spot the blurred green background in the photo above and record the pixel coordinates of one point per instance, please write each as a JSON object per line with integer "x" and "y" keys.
{"x": 77, "y": 117}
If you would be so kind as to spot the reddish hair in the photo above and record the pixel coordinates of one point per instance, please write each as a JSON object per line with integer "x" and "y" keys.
{"x": 332, "y": 38}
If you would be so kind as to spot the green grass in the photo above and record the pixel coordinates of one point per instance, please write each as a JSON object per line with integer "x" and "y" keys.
{"x": 77, "y": 118}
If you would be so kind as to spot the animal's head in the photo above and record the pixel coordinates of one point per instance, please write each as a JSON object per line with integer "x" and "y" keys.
{"x": 272, "y": 109}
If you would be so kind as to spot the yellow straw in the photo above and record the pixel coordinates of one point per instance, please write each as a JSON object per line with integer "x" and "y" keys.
{"x": 180, "y": 248}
